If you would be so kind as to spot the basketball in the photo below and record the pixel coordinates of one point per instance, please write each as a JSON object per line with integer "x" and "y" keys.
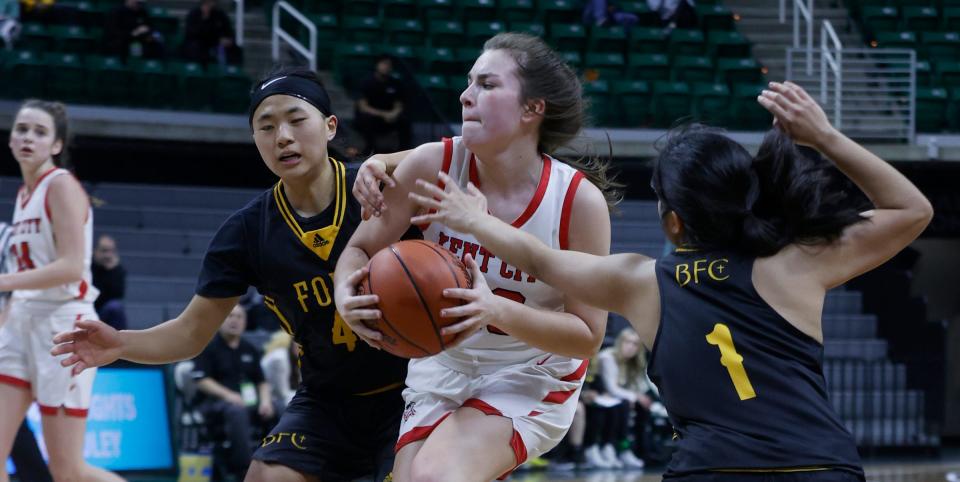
{"x": 409, "y": 277}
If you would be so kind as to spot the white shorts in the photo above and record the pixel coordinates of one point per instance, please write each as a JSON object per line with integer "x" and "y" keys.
{"x": 25, "y": 360}
{"x": 539, "y": 397}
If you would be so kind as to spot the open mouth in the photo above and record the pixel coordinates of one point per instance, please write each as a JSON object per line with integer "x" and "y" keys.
{"x": 290, "y": 157}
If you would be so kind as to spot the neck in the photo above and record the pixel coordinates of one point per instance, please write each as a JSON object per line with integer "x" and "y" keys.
{"x": 310, "y": 194}
{"x": 517, "y": 165}
{"x": 233, "y": 341}
{"x": 30, "y": 176}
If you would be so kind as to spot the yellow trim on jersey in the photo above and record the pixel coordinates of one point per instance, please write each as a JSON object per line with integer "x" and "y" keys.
{"x": 685, "y": 250}
{"x": 319, "y": 241}
{"x": 380, "y": 390}
{"x": 272, "y": 306}
{"x": 761, "y": 471}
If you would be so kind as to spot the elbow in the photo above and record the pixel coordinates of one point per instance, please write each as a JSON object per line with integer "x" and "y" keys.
{"x": 925, "y": 211}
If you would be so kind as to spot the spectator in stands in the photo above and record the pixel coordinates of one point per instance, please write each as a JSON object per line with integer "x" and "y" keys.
{"x": 624, "y": 376}
{"x": 675, "y": 13}
{"x": 209, "y": 36}
{"x": 130, "y": 32}
{"x": 607, "y": 418}
{"x": 601, "y": 13}
{"x": 279, "y": 367}
{"x": 9, "y": 22}
{"x": 35, "y": 10}
{"x": 380, "y": 110}
{"x": 234, "y": 394}
{"x": 110, "y": 277}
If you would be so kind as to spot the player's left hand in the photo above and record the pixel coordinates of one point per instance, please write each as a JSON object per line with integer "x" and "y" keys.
{"x": 366, "y": 188}
{"x": 451, "y": 206}
{"x": 483, "y": 307}
{"x": 354, "y": 308}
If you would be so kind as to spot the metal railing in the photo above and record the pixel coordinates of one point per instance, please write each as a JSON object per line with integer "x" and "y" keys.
{"x": 830, "y": 62}
{"x": 804, "y": 11}
{"x": 238, "y": 21}
{"x": 279, "y": 34}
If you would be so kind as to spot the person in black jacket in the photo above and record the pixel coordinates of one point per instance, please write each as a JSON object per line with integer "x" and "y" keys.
{"x": 209, "y": 36}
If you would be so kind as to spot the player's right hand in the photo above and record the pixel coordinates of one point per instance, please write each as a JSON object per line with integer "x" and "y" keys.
{"x": 354, "y": 308}
{"x": 366, "y": 188}
{"x": 798, "y": 114}
{"x": 91, "y": 344}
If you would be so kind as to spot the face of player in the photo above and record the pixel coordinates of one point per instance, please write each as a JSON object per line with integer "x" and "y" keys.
{"x": 235, "y": 324}
{"x": 492, "y": 111}
{"x": 33, "y": 139}
{"x": 291, "y": 135}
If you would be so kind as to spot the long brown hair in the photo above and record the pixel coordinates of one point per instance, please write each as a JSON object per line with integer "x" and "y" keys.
{"x": 545, "y": 75}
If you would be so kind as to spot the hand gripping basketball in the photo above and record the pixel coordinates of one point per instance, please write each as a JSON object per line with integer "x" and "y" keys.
{"x": 355, "y": 307}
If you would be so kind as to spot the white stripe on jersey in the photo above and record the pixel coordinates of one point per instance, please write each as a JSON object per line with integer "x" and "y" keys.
{"x": 487, "y": 350}
{"x": 32, "y": 245}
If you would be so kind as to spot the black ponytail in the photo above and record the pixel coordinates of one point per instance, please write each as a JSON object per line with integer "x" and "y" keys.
{"x": 729, "y": 200}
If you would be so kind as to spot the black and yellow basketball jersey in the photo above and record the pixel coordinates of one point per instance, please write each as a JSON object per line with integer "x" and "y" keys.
{"x": 744, "y": 388}
{"x": 291, "y": 260}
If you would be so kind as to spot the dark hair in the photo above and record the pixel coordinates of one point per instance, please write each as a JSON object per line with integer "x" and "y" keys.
{"x": 730, "y": 200}
{"x": 61, "y": 128}
{"x": 544, "y": 74}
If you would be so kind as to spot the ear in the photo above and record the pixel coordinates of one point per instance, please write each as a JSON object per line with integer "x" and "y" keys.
{"x": 534, "y": 109}
{"x": 674, "y": 228}
{"x": 56, "y": 148}
{"x": 332, "y": 123}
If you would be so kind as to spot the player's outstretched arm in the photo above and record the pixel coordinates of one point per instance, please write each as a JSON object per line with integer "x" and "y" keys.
{"x": 366, "y": 187}
{"x": 902, "y": 211}
{"x": 94, "y": 343}
{"x": 608, "y": 282}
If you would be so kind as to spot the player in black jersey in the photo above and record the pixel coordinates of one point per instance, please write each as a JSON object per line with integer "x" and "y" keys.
{"x": 343, "y": 421}
{"x": 733, "y": 317}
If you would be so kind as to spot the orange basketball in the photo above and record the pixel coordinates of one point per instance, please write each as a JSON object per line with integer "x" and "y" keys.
{"x": 409, "y": 277}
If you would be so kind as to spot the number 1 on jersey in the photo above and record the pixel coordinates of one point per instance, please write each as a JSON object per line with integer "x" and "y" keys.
{"x": 723, "y": 339}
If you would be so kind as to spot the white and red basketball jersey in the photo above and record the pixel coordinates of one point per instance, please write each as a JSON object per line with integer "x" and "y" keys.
{"x": 547, "y": 217}
{"x": 32, "y": 244}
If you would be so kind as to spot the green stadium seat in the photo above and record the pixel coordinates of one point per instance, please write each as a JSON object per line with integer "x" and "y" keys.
{"x": 478, "y": 10}
{"x": 601, "y": 109}
{"x": 532, "y": 28}
{"x": 109, "y": 81}
{"x": 438, "y": 92}
{"x": 711, "y": 103}
{"x": 647, "y": 40}
{"x": 361, "y": 8}
{"x": 608, "y": 65}
{"x": 481, "y": 31}
{"x": 353, "y": 62}
{"x": 26, "y": 73}
{"x": 671, "y": 102}
{"x": 440, "y": 60}
{"x": 715, "y": 17}
{"x": 954, "y": 110}
{"x": 924, "y": 74}
{"x": 745, "y": 111}
{"x": 896, "y": 40}
{"x": 645, "y": 16}
{"x": 633, "y": 102}
{"x": 686, "y": 42}
{"x": 319, "y": 6}
{"x": 197, "y": 89}
{"x": 941, "y": 45}
{"x": 739, "y": 71}
{"x": 951, "y": 19}
{"x": 931, "y": 109}
{"x": 516, "y": 11}
{"x": 567, "y": 36}
{"x": 445, "y": 33}
{"x": 466, "y": 56}
{"x": 233, "y": 87}
{"x": 572, "y": 58}
{"x": 328, "y": 29}
{"x": 728, "y": 44}
{"x": 920, "y": 19}
{"x": 362, "y": 29}
{"x": 396, "y": 9}
{"x": 652, "y": 67}
{"x": 157, "y": 85}
{"x": 35, "y": 37}
{"x": 692, "y": 69}
{"x": 73, "y": 39}
{"x": 164, "y": 22}
{"x": 559, "y": 11}
{"x": 90, "y": 15}
{"x": 880, "y": 19}
{"x": 437, "y": 9}
{"x": 66, "y": 77}
{"x": 404, "y": 31}
{"x": 948, "y": 73}
{"x": 402, "y": 55}
{"x": 607, "y": 39}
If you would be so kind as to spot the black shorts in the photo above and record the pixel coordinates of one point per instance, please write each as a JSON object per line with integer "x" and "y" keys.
{"x": 833, "y": 475}
{"x": 336, "y": 439}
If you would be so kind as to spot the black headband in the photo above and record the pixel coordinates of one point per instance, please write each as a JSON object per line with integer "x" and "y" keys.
{"x": 294, "y": 86}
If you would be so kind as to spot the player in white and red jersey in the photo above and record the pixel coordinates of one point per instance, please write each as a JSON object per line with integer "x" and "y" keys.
{"x": 508, "y": 388}
{"x": 49, "y": 256}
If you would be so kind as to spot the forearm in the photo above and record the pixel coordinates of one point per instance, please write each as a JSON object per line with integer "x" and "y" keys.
{"x": 351, "y": 259}
{"x": 213, "y": 388}
{"x": 168, "y": 342}
{"x": 59, "y": 272}
{"x": 263, "y": 392}
{"x": 551, "y": 331}
{"x": 519, "y": 248}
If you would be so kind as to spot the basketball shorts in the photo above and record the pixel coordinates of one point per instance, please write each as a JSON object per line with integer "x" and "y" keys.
{"x": 25, "y": 360}
{"x": 539, "y": 397}
{"x": 809, "y": 476}
{"x": 335, "y": 438}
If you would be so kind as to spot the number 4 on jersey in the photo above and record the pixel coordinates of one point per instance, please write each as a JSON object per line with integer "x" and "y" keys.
{"x": 342, "y": 334}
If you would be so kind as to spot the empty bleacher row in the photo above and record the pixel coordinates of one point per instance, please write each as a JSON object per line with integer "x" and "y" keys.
{"x": 932, "y": 29}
